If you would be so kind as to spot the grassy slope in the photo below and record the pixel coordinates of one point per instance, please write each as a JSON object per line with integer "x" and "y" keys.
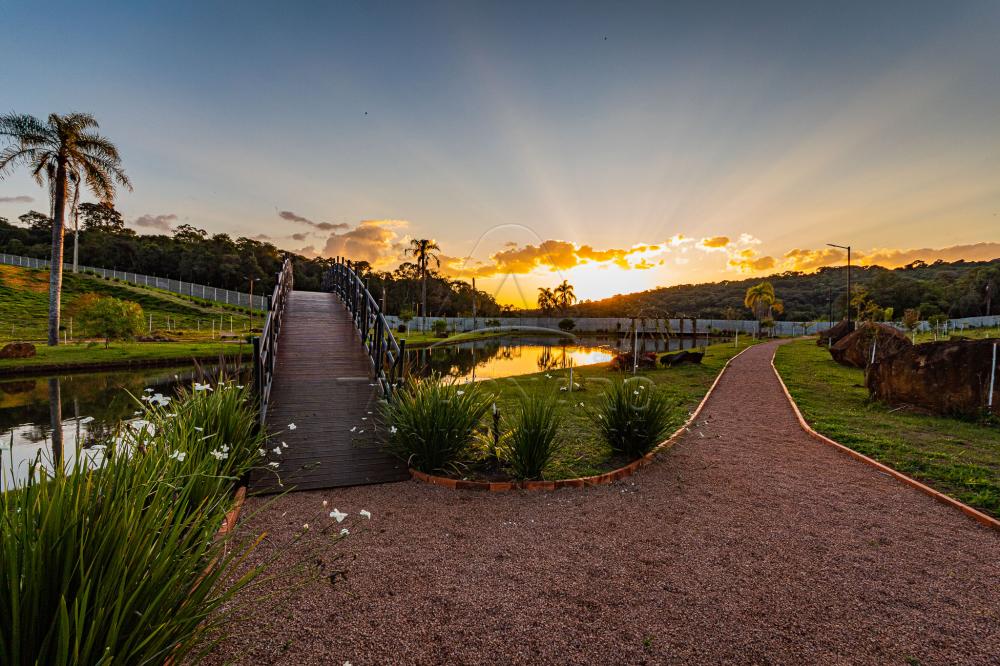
{"x": 583, "y": 454}
{"x": 24, "y": 305}
{"x": 417, "y": 339}
{"x": 957, "y": 457}
{"x": 121, "y": 353}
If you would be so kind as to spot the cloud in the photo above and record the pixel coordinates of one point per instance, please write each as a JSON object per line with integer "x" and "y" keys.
{"x": 748, "y": 261}
{"x": 322, "y": 226}
{"x": 23, "y": 198}
{"x": 552, "y": 255}
{"x": 811, "y": 259}
{"x": 299, "y": 237}
{"x": 714, "y": 243}
{"x": 158, "y": 222}
{"x": 374, "y": 241}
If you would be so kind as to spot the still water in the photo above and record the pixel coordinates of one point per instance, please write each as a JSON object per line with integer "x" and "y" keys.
{"x": 71, "y": 412}
{"x": 506, "y": 357}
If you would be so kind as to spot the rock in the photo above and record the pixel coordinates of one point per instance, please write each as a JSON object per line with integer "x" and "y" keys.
{"x": 836, "y": 332}
{"x": 18, "y": 350}
{"x": 681, "y": 357}
{"x": 625, "y": 362}
{"x": 855, "y": 350}
{"x": 946, "y": 377}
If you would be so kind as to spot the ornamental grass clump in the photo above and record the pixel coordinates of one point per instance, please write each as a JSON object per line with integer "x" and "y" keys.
{"x": 632, "y": 417}
{"x": 432, "y": 423}
{"x": 119, "y": 561}
{"x": 533, "y": 438}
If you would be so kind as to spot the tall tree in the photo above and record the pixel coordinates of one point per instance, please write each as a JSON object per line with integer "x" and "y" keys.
{"x": 564, "y": 295}
{"x": 760, "y": 299}
{"x": 67, "y": 152}
{"x": 423, "y": 250}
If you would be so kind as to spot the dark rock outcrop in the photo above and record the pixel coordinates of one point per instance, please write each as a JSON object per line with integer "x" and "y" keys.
{"x": 836, "y": 332}
{"x": 625, "y": 361}
{"x": 18, "y": 350}
{"x": 946, "y": 377}
{"x": 681, "y": 357}
{"x": 855, "y": 349}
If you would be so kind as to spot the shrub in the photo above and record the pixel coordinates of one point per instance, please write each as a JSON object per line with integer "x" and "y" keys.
{"x": 567, "y": 325}
{"x": 440, "y": 327}
{"x": 533, "y": 437}
{"x": 109, "y": 318}
{"x": 120, "y": 560}
{"x": 431, "y": 423}
{"x": 632, "y": 417}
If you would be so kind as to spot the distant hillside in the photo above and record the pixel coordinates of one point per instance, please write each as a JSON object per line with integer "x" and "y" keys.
{"x": 955, "y": 289}
{"x": 24, "y": 303}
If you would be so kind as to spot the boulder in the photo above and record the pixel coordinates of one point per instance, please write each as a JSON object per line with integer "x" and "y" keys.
{"x": 946, "y": 377}
{"x": 855, "y": 349}
{"x": 625, "y": 362}
{"x": 18, "y": 350}
{"x": 836, "y": 332}
{"x": 681, "y": 357}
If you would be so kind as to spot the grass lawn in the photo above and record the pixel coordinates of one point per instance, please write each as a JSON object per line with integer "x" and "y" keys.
{"x": 583, "y": 454}
{"x": 957, "y": 457}
{"x": 416, "y": 339}
{"x": 24, "y": 304}
{"x": 120, "y": 354}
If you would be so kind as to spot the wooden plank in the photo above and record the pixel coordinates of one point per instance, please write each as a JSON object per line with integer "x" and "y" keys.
{"x": 322, "y": 384}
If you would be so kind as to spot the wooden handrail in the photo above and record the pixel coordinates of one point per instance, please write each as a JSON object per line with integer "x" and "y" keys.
{"x": 265, "y": 347}
{"x": 384, "y": 352}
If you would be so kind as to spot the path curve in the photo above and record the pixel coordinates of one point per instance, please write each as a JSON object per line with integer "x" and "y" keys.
{"x": 748, "y": 541}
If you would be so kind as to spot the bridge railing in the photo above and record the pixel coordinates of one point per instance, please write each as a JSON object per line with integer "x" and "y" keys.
{"x": 265, "y": 347}
{"x": 384, "y": 352}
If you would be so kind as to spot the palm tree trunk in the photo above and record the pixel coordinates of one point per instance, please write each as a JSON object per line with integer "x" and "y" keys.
{"x": 56, "y": 267}
{"x": 423, "y": 297}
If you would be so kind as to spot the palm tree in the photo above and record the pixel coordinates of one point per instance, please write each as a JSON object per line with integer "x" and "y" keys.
{"x": 546, "y": 299}
{"x": 423, "y": 251}
{"x": 760, "y": 299}
{"x": 67, "y": 152}
{"x": 564, "y": 296}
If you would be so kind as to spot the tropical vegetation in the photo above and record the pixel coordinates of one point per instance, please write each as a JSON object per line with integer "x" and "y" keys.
{"x": 632, "y": 416}
{"x": 110, "y": 318}
{"x": 532, "y": 439}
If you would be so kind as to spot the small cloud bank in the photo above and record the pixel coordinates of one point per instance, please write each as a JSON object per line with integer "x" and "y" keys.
{"x": 155, "y": 222}
{"x": 322, "y": 226}
{"x": 379, "y": 242}
{"x": 21, "y": 198}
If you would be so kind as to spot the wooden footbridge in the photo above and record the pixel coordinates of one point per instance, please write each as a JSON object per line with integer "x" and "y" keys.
{"x": 323, "y": 362}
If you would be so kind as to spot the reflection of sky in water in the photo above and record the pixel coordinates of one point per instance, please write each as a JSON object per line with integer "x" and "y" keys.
{"x": 91, "y": 406}
{"x": 507, "y": 357}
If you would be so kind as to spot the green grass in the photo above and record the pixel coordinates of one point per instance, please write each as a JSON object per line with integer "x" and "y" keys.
{"x": 957, "y": 457}
{"x": 422, "y": 339}
{"x": 24, "y": 302}
{"x": 121, "y": 353}
{"x": 582, "y": 451}
{"x": 972, "y": 333}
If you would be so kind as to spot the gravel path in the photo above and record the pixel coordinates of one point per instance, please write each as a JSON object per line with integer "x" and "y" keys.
{"x": 747, "y": 542}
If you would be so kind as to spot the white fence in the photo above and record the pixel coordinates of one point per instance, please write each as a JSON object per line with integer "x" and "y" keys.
{"x": 613, "y": 325}
{"x": 216, "y": 294}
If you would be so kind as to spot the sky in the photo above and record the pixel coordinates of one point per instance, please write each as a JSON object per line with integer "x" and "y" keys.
{"x": 621, "y": 146}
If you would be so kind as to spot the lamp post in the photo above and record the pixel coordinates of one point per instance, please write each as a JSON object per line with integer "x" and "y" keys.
{"x": 848, "y": 248}
{"x": 252, "y": 280}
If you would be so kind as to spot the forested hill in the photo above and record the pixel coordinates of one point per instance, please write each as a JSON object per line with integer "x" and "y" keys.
{"x": 955, "y": 289}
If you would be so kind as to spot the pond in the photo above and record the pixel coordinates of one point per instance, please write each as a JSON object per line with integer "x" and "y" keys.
{"x": 505, "y": 357}
{"x": 43, "y": 415}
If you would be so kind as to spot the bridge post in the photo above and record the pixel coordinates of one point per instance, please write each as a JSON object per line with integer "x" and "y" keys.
{"x": 258, "y": 378}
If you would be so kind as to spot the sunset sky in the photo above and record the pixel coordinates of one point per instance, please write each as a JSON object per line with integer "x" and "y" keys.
{"x": 621, "y": 146}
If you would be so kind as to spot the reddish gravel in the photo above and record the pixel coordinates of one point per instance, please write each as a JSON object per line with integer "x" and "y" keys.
{"x": 747, "y": 542}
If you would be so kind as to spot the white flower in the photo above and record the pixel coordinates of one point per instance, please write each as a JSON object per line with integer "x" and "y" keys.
{"x": 344, "y": 532}
{"x": 276, "y": 450}
{"x": 202, "y": 387}
{"x": 171, "y": 416}
{"x": 239, "y": 386}
{"x": 354, "y": 428}
{"x": 218, "y": 455}
{"x": 148, "y": 390}
{"x": 86, "y": 419}
{"x": 365, "y": 513}
{"x": 262, "y": 452}
{"x": 338, "y": 515}
{"x": 305, "y": 526}
{"x": 292, "y": 426}
{"x": 325, "y": 503}
{"x": 273, "y": 464}
{"x": 179, "y": 456}
{"x": 635, "y": 393}
{"x": 393, "y": 430}
{"x": 199, "y": 429}
{"x": 284, "y": 446}
{"x": 459, "y": 392}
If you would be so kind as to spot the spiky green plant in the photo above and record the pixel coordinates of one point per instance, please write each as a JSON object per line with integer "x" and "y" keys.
{"x": 632, "y": 417}
{"x": 432, "y": 422}
{"x": 532, "y": 440}
{"x": 119, "y": 562}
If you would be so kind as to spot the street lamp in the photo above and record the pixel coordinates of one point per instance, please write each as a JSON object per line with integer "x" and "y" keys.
{"x": 848, "y": 248}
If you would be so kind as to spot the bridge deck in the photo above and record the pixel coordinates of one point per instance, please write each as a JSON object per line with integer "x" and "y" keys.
{"x": 322, "y": 384}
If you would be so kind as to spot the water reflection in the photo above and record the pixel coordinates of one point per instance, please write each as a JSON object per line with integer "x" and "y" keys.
{"x": 506, "y": 357}
{"x": 57, "y": 416}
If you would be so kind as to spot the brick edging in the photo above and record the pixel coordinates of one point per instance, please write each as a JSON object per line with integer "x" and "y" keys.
{"x": 975, "y": 514}
{"x": 582, "y": 481}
